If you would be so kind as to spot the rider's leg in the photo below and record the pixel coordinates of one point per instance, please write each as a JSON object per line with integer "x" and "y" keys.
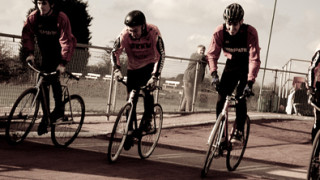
{"x": 58, "y": 111}
{"x": 241, "y": 107}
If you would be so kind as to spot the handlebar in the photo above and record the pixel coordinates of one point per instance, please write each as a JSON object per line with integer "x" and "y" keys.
{"x": 70, "y": 75}
{"x": 142, "y": 87}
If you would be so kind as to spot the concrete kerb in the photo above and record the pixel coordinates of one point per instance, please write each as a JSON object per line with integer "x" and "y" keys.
{"x": 99, "y": 126}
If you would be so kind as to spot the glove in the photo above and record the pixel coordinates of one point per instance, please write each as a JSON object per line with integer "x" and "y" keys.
{"x": 61, "y": 68}
{"x": 30, "y": 59}
{"x": 215, "y": 80}
{"x": 152, "y": 82}
{"x": 248, "y": 89}
{"x": 118, "y": 75}
{"x": 311, "y": 93}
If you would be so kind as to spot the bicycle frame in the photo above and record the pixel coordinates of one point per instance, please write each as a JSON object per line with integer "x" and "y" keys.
{"x": 224, "y": 113}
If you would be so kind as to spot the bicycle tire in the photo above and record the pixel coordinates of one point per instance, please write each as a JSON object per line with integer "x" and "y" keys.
{"x": 235, "y": 153}
{"x": 119, "y": 133}
{"x": 213, "y": 145}
{"x": 65, "y": 131}
{"x": 148, "y": 141}
{"x": 22, "y": 117}
{"x": 314, "y": 165}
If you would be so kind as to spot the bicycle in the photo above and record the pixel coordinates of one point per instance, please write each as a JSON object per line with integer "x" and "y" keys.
{"x": 220, "y": 130}
{"x": 126, "y": 126}
{"x": 314, "y": 165}
{"x": 25, "y": 112}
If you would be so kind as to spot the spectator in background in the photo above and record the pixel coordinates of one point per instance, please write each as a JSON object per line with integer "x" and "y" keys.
{"x": 300, "y": 103}
{"x": 190, "y": 75}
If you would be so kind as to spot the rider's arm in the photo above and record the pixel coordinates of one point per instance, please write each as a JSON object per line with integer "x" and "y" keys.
{"x": 254, "y": 53}
{"x": 67, "y": 40}
{"x": 214, "y": 49}
{"x": 313, "y": 68}
{"x": 28, "y": 34}
{"x": 115, "y": 54}
{"x": 159, "y": 65}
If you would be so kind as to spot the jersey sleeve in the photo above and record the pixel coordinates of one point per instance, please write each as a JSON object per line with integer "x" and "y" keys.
{"x": 67, "y": 40}
{"x": 214, "y": 49}
{"x": 313, "y": 69}
{"x": 28, "y": 34}
{"x": 254, "y": 54}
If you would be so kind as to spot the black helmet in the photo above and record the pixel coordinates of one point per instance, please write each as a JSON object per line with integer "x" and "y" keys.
{"x": 233, "y": 13}
{"x": 135, "y": 18}
{"x": 49, "y": 1}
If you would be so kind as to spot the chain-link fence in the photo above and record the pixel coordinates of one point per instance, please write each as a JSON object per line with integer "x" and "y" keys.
{"x": 104, "y": 96}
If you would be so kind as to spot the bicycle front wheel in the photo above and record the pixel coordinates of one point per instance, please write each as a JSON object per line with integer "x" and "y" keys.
{"x": 214, "y": 147}
{"x": 66, "y": 130}
{"x": 314, "y": 166}
{"x": 119, "y": 133}
{"x": 149, "y": 140}
{"x": 236, "y": 151}
{"x": 22, "y": 116}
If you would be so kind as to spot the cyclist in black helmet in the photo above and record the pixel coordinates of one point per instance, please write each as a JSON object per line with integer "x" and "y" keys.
{"x": 145, "y": 50}
{"x": 240, "y": 45}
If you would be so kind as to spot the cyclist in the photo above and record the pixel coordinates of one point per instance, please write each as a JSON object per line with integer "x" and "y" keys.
{"x": 144, "y": 47}
{"x": 52, "y": 31}
{"x": 240, "y": 45}
{"x": 314, "y": 89}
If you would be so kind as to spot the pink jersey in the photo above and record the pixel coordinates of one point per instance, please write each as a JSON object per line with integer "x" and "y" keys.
{"x": 252, "y": 48}
{"x": 140, "y": 52}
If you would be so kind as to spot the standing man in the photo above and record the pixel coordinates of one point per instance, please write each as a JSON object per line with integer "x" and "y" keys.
{"x": 190, "y": 75}
{"x": 145, "y": 50}
{"x": 240, "y": 45}
{"x": 52, "y": 31}
{"x": 314, "y": 89}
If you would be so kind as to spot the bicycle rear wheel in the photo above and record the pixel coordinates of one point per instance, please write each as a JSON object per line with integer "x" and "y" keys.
{"x": 65, "y": 131}
{"x": 214, "y": 147}
{"x": 119, "y": 133}
{"x": 236, "y": 152}
{"x": 314, "y": 166}
{"x": 149, "y": 140}
{"x": 22, "y": 117}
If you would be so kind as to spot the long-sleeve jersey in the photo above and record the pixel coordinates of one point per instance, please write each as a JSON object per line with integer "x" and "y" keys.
{"x": 242, "y": 50}
{"x": 141, "y": 52}
{"x": 313, "y": 71}
{"x": 53, "y": 34}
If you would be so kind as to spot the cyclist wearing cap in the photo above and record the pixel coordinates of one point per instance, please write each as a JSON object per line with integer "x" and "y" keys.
{"x": 314, "y": 89}
{"x": 52, "y": 30}
{"x": 240, "y": 45}
{"x": 144, "y": 47}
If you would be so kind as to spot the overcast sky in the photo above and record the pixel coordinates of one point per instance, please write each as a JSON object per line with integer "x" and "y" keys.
{"x": 184, "y": 24}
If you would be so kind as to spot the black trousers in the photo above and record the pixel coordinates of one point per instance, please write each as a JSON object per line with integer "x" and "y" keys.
{"x": 136, "y": 79}
{"x": 229, "y": 81}
{"x": 54, "y": 81}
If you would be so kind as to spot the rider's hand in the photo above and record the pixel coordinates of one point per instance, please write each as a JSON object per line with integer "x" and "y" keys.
{"x": 118, "y": 75}
{"x": 152, "y": 82}
{"x": 215, "y": 79}
{"x": 30, "y": 59}
{"x": 61, "y": 68}
{"x": 248, "y": 89}
{"x": 311, "y": 92}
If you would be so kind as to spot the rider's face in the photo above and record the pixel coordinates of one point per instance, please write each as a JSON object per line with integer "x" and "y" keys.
{"x": 135, "y": 31}
{"x": 233, "y": 28}
{"x": 44, "y": 7}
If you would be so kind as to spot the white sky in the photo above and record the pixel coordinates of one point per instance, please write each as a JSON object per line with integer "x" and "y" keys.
{"x": 186, "y": 23}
